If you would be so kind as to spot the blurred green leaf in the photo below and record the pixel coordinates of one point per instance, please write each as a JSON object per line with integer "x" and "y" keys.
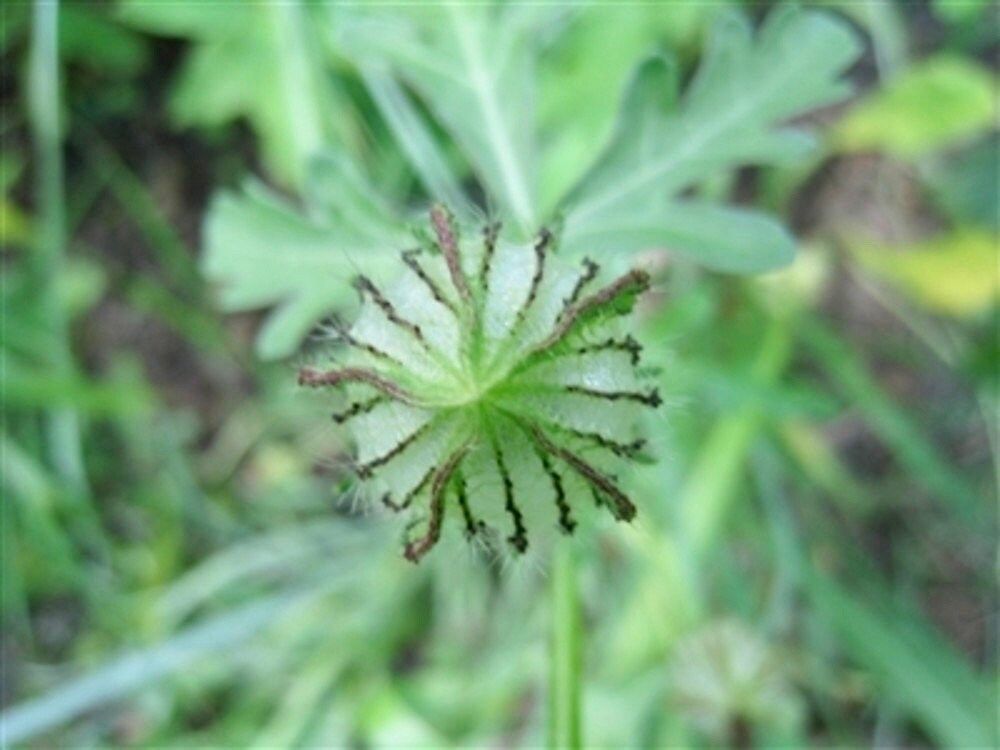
{"x": 43, "y": 553}
{"x": 960, "y": 11}
{"x": 252, "y": 60}
{"x": 595, "y": 54}
{"x": 80, "y": 285}
{"x": 38, "y": 388}
{"x": 956, "y": 274}
{"x": 309, "y": 697}
{"x": 270, "y": 556}
{"x": 17, "y": 230}
{"x": 726, "y": 389}
{"x": 744, "y": 88}
{"x": 12, "y": 166}
{"x": 886, "y": 23}
{"x": 714, "y": 479}
{"x": 935, "y": 104}
{"x": 716, "y": 237}
{"x": 966, "y": 185}
{"x": 88, "y": 36}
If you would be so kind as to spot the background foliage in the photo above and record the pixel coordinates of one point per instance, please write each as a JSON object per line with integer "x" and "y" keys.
{"x": 182, "y": 562}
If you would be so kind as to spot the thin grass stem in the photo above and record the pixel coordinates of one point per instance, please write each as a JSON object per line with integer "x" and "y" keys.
{"x": 62, "y": 424}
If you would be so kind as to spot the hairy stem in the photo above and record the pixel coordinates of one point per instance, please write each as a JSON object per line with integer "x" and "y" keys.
{"x": 564, "y": 679}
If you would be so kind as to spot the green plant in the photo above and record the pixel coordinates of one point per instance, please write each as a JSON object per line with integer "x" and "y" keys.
{"x": 471, "y": 67}
{"x": 809, "y": 486}
{"x": 440, "y": 408}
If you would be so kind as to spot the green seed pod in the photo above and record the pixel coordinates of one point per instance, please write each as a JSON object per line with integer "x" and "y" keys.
{"x": 491, "y": 384}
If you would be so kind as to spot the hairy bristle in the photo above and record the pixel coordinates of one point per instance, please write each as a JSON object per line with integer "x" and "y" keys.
{"x": 471, "y": 526}
{"x": 365, "y": 470}
{"x": 519, "y": 539}
{"x": 628, "y": 345}
{"x": 622, "y": 508}
{"x": 357, "y": 408}
{"x": 365, "y": 286}
{"x": 348, "y": 338}
{"x": 490, "y": 234}
{"x": 633, "y": 282}
{"x": 590, "y": 270}
{"x": 409, "y": 496}
{"x": 651, "y": 399}
{"x": 566, "y": 522}
{"x": 317, "y": 378}
{"x": 622, "y": 450}
{"x": 618, "y": 448}
{"x": 420, "y": 547}
{"x": 410, "y": 259}
{"x": 447, "y": 239}
{"x": 540, "y": 246}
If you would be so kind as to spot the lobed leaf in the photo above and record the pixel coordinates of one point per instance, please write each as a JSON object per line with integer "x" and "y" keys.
{"x": 954, "y": 274}
{"x": 940, "y": 101}
{"x": 744, "y": 89}
{"x": 717, "y": 237}
{"x": 261, "y": 252}
{"x": 472, "y": 65}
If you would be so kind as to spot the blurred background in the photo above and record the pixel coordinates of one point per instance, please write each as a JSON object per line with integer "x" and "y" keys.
{"x": 815, "y": 562}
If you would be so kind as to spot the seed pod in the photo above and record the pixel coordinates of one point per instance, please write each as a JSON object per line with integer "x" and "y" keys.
{"x": 492, "y": 385}
{"x": 726, "y": 680}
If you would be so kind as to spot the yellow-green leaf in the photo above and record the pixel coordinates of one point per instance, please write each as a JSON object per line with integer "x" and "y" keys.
{"x": 16, "y": 226}
{"x": 955, "y": 274}
{"x": 942, "y": 100}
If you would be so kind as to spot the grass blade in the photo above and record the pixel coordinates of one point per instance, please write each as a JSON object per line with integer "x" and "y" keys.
{"x": 44, "y": 95}
{"x": 915, "y": 666}
{"x": 140, "y": 669}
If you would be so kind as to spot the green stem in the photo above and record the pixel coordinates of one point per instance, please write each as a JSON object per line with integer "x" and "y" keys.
{"x": 62, "y": 423}
{"x": 564, "y": 680}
